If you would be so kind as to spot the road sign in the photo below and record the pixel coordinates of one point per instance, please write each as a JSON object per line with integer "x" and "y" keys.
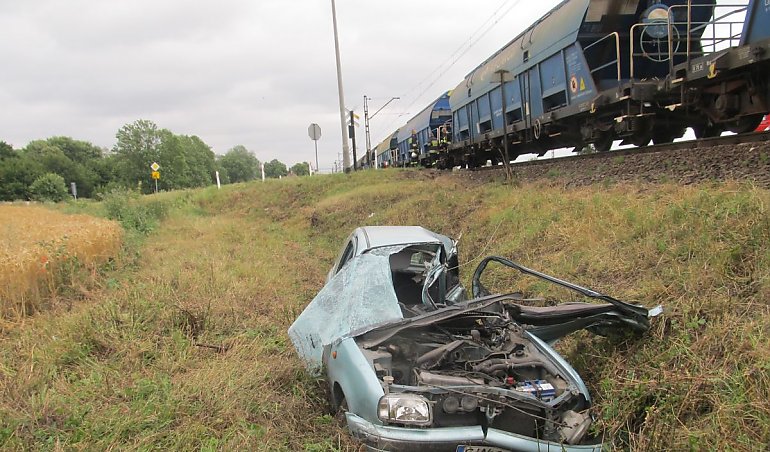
{"x": 314, "y": 131}
{"x": 155, "y": 175}
{"x": 155, "y": 167}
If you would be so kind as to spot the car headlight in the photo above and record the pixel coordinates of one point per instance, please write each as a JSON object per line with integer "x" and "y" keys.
{"x": 410, "y": 409}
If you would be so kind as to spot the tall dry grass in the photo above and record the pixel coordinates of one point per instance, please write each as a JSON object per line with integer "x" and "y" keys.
{"x": 43, "y": 251}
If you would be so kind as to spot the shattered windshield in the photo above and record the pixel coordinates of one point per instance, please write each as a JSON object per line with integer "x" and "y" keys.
{"x": 360, "y": 295}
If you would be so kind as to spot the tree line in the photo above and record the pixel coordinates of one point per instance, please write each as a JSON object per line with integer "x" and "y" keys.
{"x": 44, "y": 169}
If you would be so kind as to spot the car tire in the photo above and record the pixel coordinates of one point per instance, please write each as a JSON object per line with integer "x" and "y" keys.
{"x": 341, "y": 409}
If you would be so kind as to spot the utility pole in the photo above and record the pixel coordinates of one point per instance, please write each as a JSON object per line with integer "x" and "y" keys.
{"x": 352, "y": 129}
{"x": 366, "y": 122}
{"x": 506, "y": 157}
{"x": 345, "y": 149}
{"x": 366, "y": 128}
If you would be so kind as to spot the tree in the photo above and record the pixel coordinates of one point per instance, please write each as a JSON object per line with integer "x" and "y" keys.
{"x": 48, "y": 187}
{"x": 275, "y": 169}
{"x": 137, "y": 147}
{"x": 6, "y": 151}
{"x": 16, "y": 175}
{"x": 81, "y": 152}
{"x": 301, "y": 169}
{"x": 240, "y": 165}
{"x": 201, "y": 161}
{"x": 53, "y": 159}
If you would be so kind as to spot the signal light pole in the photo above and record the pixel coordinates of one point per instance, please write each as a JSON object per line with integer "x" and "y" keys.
{"x": 366, "y": 125}
{"x": 352, "y": 133}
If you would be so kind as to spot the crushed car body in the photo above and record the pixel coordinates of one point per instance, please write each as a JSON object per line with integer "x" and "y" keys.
{"x": 415, "y": 363}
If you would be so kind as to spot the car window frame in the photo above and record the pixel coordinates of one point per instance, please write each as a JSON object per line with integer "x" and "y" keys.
{"x": 349, "y": 251}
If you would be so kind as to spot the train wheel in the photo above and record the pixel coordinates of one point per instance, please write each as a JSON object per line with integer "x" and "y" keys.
{"x": 640, "y": 139}
{"x": 665, "y": 136}
{"x": 745, "y": 124}
{"x": 604, "y": 143}
{"x": 707, "y": 131}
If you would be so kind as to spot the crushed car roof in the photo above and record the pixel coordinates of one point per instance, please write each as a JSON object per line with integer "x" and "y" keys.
{"x": 378, "y": 236}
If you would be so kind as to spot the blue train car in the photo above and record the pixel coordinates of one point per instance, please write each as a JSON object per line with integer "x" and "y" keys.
{"x": 419, "y": 141}
{"x": 594, "y": 71}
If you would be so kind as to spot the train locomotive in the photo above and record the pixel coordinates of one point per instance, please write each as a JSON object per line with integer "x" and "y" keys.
{"x": 591, "y": 72}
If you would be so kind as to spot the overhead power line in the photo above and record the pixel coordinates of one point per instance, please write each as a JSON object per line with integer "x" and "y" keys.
{"x": 434, "y": 76}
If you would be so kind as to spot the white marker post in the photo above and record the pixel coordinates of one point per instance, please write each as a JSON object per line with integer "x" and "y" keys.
{"x": 263, "y": 171}
{"x": 219, "y": 186}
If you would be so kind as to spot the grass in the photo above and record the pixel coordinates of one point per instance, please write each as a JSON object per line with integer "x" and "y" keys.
{"x": 187, "y": 348}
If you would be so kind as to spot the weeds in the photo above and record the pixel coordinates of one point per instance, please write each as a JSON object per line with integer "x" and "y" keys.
{"x": 132, "y": 212}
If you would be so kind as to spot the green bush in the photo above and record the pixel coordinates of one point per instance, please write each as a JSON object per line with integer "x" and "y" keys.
{"x": 127, "y": 208}
{"x": 48, "y": 187}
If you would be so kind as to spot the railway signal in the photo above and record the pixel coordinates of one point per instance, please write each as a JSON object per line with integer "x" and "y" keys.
{"x": 352, "y": 123}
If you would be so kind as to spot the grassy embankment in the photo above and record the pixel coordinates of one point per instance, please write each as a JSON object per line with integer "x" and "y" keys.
{"x": 187, "y": 348}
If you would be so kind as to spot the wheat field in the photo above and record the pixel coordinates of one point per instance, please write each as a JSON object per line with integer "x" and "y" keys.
{"x": 42, "y": 251}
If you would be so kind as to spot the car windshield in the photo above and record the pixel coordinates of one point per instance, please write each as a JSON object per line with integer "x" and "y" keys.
{"x": 359, "y": 296}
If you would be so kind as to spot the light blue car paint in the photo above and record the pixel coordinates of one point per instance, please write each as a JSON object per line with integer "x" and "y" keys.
{"x": 569, "y": 372}
{"x": 374, "y": 434}
{"x": 352, "y": 371}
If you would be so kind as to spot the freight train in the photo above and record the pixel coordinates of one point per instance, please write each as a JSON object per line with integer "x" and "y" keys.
{"x": 591, "y": 72}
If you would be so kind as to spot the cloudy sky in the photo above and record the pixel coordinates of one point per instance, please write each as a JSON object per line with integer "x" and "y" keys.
{"x": 250, "y": 72}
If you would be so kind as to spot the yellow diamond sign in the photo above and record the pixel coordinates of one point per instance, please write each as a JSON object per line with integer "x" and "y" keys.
{"x": 155, "y": 166}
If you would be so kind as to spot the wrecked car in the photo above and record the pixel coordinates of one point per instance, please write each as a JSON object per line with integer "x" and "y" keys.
{"x": 413, "y": 362}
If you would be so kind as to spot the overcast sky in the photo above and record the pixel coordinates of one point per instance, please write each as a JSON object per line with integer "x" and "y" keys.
{"x": 250, "y": 72}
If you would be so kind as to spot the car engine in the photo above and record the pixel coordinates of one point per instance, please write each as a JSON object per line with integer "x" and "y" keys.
{"x": 482, "y": 368}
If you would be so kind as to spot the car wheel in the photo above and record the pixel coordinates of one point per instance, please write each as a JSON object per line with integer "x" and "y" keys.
{"x": 342, "y": 408}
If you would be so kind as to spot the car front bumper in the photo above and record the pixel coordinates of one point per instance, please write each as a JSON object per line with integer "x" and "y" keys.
{"x": 389, "y": 438}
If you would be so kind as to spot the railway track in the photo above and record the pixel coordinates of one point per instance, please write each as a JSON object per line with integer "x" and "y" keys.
{"x": 698, "y": 144}
{"x": 744, "y": 158}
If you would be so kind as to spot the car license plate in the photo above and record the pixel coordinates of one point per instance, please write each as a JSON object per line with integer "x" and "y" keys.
{"x": 479, "y": 449}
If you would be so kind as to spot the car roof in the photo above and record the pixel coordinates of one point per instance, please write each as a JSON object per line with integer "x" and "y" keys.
{"x": 378, "y": 236}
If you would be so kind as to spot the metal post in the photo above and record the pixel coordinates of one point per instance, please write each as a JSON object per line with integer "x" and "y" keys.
{"x": 366, "y": 122}
{"x": 507, "y": 162}
{"x": 353, "y": 138}
{"x": 345, "y": 148}
{"x": 316, "y": 154}
{"x": 366, "y": 128}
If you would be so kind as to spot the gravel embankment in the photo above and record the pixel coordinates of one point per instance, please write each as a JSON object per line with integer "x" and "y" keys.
{"x": 744, "y": 162}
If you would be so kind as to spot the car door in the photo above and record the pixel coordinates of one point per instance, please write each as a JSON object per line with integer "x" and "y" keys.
{"x": 551, "y": 323}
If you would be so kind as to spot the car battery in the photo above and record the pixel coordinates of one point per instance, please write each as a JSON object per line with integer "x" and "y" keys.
{"x": 538, "y": 388}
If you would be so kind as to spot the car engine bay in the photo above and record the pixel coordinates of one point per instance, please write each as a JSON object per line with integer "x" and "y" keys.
{"x": 482, "y": 368}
